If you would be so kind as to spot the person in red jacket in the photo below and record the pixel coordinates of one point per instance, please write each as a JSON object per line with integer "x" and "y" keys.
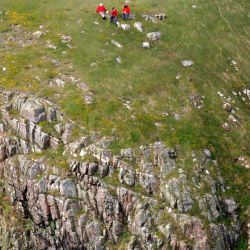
{"x": 101, "y": 10}
{"x": 126, "y": 12}
{"x": 113, "y": 16}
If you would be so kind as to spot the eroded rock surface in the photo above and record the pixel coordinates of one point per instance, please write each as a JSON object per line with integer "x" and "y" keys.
{"x": 93, "y": 198}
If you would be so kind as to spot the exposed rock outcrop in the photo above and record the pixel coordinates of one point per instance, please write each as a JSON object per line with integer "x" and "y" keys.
{"x": 92, "y": 198}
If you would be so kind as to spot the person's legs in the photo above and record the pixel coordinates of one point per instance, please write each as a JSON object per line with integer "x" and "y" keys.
{"x": 115, "y": 20}
{"x": 123, "y": 16}
{"x": 111, "y": 19}
{"x": 103, "y": 15}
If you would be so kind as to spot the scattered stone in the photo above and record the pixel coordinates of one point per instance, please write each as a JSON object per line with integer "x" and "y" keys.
{"x": 187, "y": 63}
{"x": 118, "y": 60}
{"x": 66, "y": 39}
{"x": 178, "y": 76}
{"x": 247, "y": 93}
{"x": 227, "y": 106}
{"x": 146, "y": 45}
{"x": 177, "y": 117}
{"x": 117, "y": 44}
{"x": 125, "y": 26}
{"x": 50, "y": 45}
{"x": 244, "y": 162}
{"x": 88, "y": 97}
{"x": 127, "y": 153}
{"x": 158, "y": 124}
{"x": 232, "y": 118}
{"x": 194, "y": 6}
{"x": 165, "y": 114}
{"x": 69, "y": 46}
{"x": 196, "y": 100}
{"x": 37, "y": 34}
{"x": 154, "y": 36}
{"x": 207, "y": 153}
{"x": 154, "y": 17}
{"x": 93, "y": 64}
{"x": 220, "y": 94}
{"x": 226, "y": 126}
{"x": 138, "y": 26}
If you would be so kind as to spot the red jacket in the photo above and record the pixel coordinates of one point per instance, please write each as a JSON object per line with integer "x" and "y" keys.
{"x": 126, "y": 10}
{"x": 100, "y": 9}
{"x": 114, "y": 12}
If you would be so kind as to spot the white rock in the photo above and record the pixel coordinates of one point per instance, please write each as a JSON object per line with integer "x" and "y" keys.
{"x": 154, "y": 35}
{"x": 178, "y": 76}
{"x": 37, "y": 34}
{"x": 146, "y": 45}
{"x": 83, "y": 153}
{"x": 93, "y": 64}
{"x": 125, "y": 26}
{"x": 60, "y": 83}
{"x": 220, "y": 94}
{"x": 66, "y": 39}
{"x": 187, "y": 63}
{"x": 158, "y": 124}
{"x": 118, "y": 60}
{"x": 247, "y": 93}
{"x": 51, "y": 46}
{"x": 233, "y": 62}
{"x": 138, "y": 26}
{"x": 118, "y": 45}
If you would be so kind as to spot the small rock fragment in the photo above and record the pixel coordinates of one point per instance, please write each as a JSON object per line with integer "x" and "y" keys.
{"x": 146, "y": 45}
{"x": 37, "y": 34}
{"x": 118, "y": 60}
{"x": 138, "y": 26}
{"x": 226, "y": 126}
{"x": 227, "y": 106}
{"x": 118, "y": 45}
{"x": 125, "y": 26}
{"x": 187, "y": 63}
{"x": 154, "y": 35}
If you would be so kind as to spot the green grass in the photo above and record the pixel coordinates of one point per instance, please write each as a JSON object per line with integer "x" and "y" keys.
{"x": 212, "y": 35}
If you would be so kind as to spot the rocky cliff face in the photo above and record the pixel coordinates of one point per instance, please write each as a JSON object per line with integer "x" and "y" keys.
{"x": 81, "y": 196}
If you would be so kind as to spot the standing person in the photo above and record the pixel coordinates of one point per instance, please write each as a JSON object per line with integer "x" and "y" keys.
{"x": 101, "y": 10}
{"x": 126, "y": 12}
{"x": 113, "y": 17}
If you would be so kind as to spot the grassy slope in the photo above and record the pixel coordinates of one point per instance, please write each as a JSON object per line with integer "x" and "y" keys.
{"x": 211, "y": 35}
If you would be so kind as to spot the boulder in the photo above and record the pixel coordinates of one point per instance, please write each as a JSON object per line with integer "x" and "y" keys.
{"x": 154, "y": 35}
{"x": 33, "y": 110}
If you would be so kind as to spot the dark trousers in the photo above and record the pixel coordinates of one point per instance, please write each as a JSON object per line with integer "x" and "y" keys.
{"x": 113, "y": 19}
{"x": 125, "y": 16}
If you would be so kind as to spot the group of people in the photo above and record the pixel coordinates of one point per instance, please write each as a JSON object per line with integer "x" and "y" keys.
{"x": 114, "y": 13}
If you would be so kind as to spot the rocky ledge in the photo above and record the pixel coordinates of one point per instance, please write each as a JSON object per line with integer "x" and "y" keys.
{"x": 81, "y": 196}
